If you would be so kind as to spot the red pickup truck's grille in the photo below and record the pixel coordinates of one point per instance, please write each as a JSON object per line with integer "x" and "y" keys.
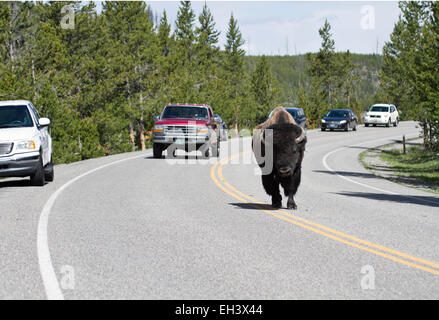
{"x": 181, "y": 129}
{"x": 6, "y": 148}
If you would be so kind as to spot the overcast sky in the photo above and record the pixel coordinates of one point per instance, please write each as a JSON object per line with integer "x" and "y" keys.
{"x": 281, "y": 27}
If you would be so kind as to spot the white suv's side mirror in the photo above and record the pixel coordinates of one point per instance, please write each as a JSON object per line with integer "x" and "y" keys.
{"x": 44, "y": 122}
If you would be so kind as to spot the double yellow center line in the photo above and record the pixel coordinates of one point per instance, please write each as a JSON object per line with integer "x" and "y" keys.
{"x": 216, "y": 174}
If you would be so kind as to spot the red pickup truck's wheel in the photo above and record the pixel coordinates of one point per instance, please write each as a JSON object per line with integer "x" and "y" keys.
{"x": 157, "y": 150}
{"x": 216, "y": 150}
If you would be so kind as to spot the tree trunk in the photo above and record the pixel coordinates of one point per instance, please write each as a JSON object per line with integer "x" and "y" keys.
{"x": 329, "y": 96}
{"x": 131, "y": 130}
{"x": 236, "y": 118}
{"x": 142, "y": 134}
{"x": 425, "y": 132}
{"x": 349, "y": 99}
{"x": 140, "y": 124}
{"x": 132, "y": 141}
{"x": 14, "y": 12}
{"x": 33, "y": 81}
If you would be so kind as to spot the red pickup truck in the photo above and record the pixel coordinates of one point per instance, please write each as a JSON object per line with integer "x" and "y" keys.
{"x": 186, "y": 126}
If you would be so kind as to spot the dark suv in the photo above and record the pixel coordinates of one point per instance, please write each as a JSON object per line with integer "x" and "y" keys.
{"x": 298, "y": 115}
{"x": 344, "y": 119}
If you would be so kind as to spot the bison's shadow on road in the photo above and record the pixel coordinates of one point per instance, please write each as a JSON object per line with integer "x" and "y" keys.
{"x": 398, "y": 198}
{"x": 253, "y": 206}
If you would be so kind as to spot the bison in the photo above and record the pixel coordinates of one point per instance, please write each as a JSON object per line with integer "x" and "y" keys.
{"x": 286, "y": 143}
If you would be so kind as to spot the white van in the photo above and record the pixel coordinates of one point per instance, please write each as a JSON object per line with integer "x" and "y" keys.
{"x": 25, "y": 143}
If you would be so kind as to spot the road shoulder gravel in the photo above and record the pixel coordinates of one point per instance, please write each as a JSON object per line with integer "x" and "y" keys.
{"x": 372, "y": 161}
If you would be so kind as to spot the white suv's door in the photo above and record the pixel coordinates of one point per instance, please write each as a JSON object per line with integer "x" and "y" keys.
{"x": 43, "y": 133}
{"x": 46, "y": 144}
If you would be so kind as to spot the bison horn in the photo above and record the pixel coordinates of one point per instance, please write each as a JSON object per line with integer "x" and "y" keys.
{"x": 301, "y": 137}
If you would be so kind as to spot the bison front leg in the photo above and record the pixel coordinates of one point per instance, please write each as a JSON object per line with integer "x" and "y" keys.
{"x": 271, "y": 186}
{"x": 291, "y": 204}
{"x": 290, "y": 187}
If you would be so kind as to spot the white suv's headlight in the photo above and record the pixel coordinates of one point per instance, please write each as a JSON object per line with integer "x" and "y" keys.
{"x": 26, "y": 145}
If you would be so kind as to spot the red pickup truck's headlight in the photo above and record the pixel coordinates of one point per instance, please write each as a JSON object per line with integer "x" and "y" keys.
{"x": 202, "y": 129}
{"x": 158, "y": 128}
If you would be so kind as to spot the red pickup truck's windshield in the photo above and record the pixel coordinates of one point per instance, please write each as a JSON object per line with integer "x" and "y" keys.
{"x": 185, "y": 112}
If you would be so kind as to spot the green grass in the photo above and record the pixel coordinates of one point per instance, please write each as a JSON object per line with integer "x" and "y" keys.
{"x": 363, "y": 162}
{"x": 416, "y": 163}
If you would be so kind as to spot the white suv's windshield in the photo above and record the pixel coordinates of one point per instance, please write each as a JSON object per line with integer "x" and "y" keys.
{"x": 15, "y": 116}
{"x": 379, "y": 109}
{"x": 185, "y": 112}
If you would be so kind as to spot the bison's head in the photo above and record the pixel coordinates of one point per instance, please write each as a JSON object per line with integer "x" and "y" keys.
{"x": 288, "y": 145}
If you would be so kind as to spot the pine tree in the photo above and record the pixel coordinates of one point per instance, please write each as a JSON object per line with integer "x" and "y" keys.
{"x": 424, "y": 74}
{"x": 207, "y": 35}
{"x": 233, "y": 76}
{"x": 406, "y": 72}
{"x": 322, "y": 73}
{"x": 264, "y": 89}
{"x": 184, "y": 30}
{"x": 207, "y": 54}
{"x": 133, "y": 60}
{"x": 322, "y": 69}
{"x": 164, "y": 32}
{"x": 346, "y": 80}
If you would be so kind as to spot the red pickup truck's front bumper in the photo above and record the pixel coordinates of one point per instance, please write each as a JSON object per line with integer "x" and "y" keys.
{"x": 182, "y": 135}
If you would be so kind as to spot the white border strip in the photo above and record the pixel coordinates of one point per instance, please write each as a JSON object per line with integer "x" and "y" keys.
{"x": 50, "y": 281}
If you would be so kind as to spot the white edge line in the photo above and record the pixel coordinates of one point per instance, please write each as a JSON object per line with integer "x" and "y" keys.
{"x": 365, "y": 185}
{"x": 50, "y": 281}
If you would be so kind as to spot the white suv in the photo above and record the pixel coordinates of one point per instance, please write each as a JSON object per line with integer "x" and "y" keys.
{"x": 25, "y": 143}
{"x": 383, "y": 114}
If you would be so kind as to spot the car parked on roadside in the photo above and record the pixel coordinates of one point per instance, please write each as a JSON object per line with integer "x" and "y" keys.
{"x": 222, "y": 128}
{"x": 25, "y": 143}
{"x": 381, "y": 114}
{"x": 186, "y": 126}
{"x": 344, "y": 119}
{"x": 298, "y": 115}
{"x": 225, "y": 132}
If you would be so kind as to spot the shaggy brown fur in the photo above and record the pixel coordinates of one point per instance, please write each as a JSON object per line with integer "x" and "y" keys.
{"x": 288, "y": 150}
{"x": 278, "y": 116}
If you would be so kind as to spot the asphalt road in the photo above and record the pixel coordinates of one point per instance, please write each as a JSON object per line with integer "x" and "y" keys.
{"x": 132, "y": 227}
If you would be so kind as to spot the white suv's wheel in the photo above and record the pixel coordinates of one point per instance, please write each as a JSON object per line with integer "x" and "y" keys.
{"x": 38, "y": 178}
{"x": 49, "y": 172}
